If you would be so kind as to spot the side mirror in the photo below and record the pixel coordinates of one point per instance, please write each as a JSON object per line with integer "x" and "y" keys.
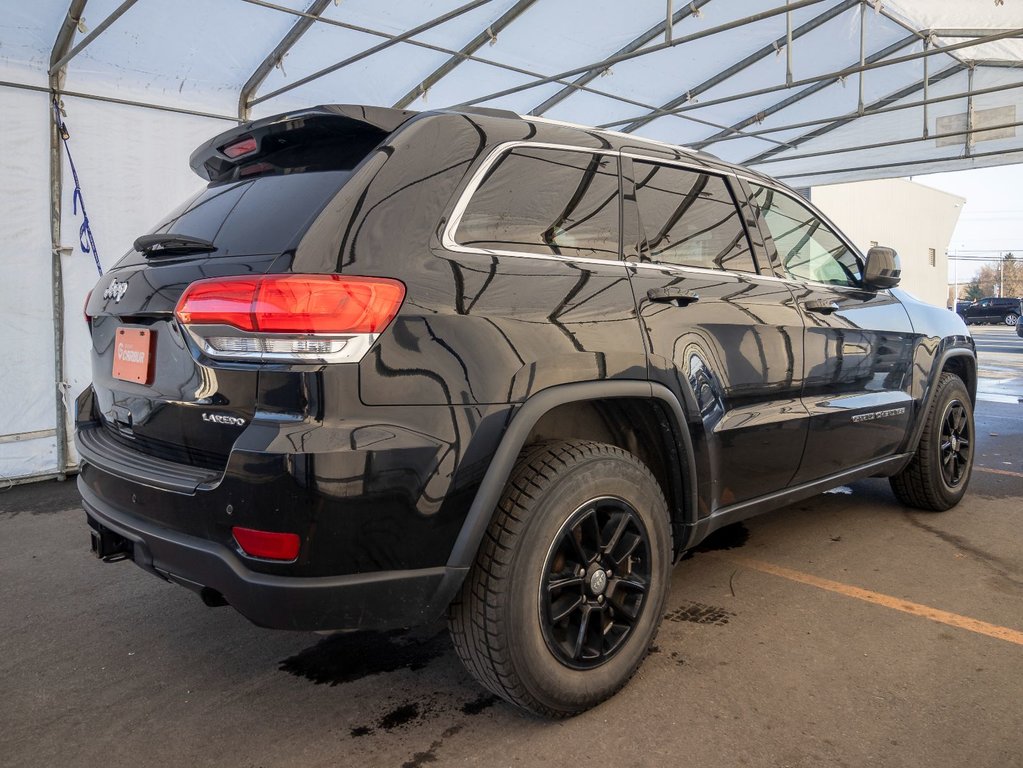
{"x": 883, "y": 269}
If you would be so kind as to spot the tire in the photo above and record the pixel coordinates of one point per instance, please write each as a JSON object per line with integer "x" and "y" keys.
{"x": 1011, "y": 319}
{"x": 937, "y": 477}
{"x": 563, "y": 500}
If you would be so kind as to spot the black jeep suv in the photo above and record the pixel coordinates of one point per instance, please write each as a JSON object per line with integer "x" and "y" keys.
{"x": 993, "y": 310}
{"x": 389, "y": 365}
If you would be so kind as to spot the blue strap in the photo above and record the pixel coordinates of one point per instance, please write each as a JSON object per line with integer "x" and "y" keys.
{"x": 85, "y": 238}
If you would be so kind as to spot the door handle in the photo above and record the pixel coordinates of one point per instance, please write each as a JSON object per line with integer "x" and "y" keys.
{"x": 824, "y": 306}
{"x": 680, "y": 297}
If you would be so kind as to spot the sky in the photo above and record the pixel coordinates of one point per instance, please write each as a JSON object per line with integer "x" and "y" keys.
{"x": 991, "y": 221}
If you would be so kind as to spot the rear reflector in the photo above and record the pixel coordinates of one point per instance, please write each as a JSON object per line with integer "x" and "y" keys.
{"x": 268, "y": 545}
{"x": 293, "y": 304}
{"x": 239, "y": 148}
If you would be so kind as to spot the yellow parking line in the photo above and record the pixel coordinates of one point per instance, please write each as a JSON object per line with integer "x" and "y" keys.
{"x": 994, "y": 471}
{"x": 877, "y": 598}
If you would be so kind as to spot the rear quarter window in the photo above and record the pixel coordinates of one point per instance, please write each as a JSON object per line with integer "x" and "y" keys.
{"x": 546, "y": 202}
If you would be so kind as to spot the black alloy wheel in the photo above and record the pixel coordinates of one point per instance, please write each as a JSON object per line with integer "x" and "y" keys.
{"x": 937, "y": 476}
{"x": 567, "y": 590}
{"x": 955, "y": 443}
{"x": 594, "y": 584}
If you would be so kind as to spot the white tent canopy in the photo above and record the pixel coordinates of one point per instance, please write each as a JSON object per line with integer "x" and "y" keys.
{"x": 812, "y": 91}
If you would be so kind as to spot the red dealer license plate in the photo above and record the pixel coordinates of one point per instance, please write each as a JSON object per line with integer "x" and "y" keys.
{"x": 133, "y": 354}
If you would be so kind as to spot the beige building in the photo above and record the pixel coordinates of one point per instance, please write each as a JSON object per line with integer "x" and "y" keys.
{"x": 914, "y": 219}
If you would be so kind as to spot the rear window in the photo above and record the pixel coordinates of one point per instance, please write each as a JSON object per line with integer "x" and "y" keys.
{"x": 266, "y": 214}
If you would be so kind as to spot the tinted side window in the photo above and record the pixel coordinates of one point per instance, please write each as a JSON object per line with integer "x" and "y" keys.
{"x": 546, "y": 201}
{"x": 689, "y": 218}
{"x": 807, "y": 247}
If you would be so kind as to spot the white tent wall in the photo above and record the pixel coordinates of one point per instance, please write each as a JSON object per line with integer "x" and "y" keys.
{"x": 719, "y": 68}
{"x": 27, "y": 392}
{"x": 132, "y": 163}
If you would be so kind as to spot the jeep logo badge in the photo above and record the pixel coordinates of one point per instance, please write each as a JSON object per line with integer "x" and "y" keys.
{"x": 115, "y": 291}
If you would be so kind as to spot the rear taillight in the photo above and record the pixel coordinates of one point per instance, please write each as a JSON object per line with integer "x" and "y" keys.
{"x": 268, "y": 545}
{"x": 304, "y": 318}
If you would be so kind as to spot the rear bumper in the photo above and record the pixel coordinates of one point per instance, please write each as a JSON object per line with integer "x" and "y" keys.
{"x": 377, "y": 600}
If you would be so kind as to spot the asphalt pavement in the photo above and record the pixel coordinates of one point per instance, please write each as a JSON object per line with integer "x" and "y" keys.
{"x": 843, "y": 630}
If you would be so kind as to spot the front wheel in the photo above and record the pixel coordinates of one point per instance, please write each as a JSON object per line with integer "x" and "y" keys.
{"x": 1011, "y": 319}
{"x": 568, "y": 587}
{"x": 937, "y": 477}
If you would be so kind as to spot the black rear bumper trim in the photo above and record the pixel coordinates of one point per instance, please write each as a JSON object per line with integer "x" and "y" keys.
{"x": 378, "y": 600}
{"x": 97, "y": 448}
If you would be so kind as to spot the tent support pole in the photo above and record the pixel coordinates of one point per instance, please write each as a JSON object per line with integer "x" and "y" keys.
{"x": 57, "y": 73}
{"x": 788, "y": 46}
{"x": 299, "y": 28}
{"x": 927, "y": 83}
{"x": 66, "y": 56}
{"x": 969, "y": 111}
{"x": 863, "y": 54}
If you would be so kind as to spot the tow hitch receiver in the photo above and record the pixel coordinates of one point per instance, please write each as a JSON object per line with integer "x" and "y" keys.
{"x": 108, "y": 546}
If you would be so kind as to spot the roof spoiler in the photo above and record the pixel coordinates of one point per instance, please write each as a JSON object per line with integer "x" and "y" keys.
{"x": 246, "y": 142}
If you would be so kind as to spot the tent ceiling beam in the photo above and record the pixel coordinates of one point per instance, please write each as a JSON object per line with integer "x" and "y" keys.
{"x": 851, "y": 115}
{"x": 759, "y": 55}
{"x": 392, "y": 40}
{"x": 902, "y": 93}
{"x": 968, "y": 132}
{"x": 592, "y": 74}
{"x": 1015, "y": 154}
{"x": 840, "y": 74}
{"x": 487, "y": 35}
{"x": 612, "y": 60}
{"x": 519, "y": 70}
{"x": 300, "y": 27}
{"x": 66, "y": 55}
{"x": 797, "y": 97}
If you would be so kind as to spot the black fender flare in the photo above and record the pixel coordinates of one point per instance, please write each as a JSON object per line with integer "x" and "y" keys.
{"x": 522, "y": 422}
{"x": 914, "y": 434}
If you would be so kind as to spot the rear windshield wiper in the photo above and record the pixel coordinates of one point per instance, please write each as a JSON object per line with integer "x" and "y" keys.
{"x": 172, "y": 245}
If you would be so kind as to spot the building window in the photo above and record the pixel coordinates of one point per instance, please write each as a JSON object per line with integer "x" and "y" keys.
{"x": 931, "y": 258}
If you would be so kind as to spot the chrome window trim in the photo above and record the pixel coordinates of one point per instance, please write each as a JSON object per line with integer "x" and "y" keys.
{"x": 448, "y": 235}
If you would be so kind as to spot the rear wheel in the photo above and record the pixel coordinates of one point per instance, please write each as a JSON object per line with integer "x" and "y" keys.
{"x": 568, "y": 588}
{"x": 937, "y": 477}
{"x": 1011, "y": 319}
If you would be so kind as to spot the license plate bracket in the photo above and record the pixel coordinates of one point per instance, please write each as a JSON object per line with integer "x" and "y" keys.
{"x": 133, "y": 354}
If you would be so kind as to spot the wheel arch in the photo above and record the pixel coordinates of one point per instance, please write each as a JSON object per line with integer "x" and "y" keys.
{"x": 962, "y": 361}
{"x": 614, "y": 398}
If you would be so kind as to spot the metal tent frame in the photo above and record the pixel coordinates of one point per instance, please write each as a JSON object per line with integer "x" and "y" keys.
{"x": 951, "y": 47}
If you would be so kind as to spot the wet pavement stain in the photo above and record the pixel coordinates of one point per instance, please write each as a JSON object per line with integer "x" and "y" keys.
{"x": 362, "y": 730}
{"x": 420, "y": 759}
{"x": 477, "y": 705}
{"x": 698, "y": 613}
{"x": 400, "y": 716}
{"x": 345, "y": 658}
